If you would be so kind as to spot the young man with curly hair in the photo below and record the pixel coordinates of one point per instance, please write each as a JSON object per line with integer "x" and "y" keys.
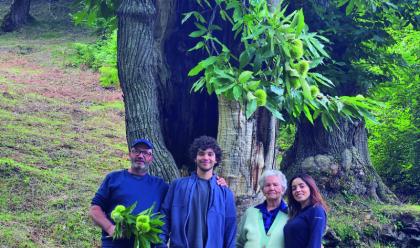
{"x": 200, "y": 213}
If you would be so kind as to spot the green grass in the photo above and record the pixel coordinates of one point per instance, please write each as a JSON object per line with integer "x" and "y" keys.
{"x": 117, "y": 105}
{"x": 406, "y": 208}
{"x": 50, "y": 167}
{"x": 53, "y": 156}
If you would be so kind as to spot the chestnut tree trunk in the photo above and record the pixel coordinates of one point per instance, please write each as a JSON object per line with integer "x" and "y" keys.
{"x": 138, "y": 69}
{"x": 338, "y": 160}
{"x": 248, "y": 146}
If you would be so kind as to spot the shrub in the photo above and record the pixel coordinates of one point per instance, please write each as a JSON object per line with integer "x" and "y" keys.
{"x": 109, "y": 76}
{"x": 100, "y": 56}
{"x": 344, "y": 227}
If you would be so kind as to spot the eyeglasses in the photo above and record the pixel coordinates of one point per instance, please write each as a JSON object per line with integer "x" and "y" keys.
{"x": 142, "y": 152}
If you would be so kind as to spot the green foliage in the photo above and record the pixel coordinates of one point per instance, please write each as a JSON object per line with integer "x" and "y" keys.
{"x": 275, "y": 53}
{"x": 99, "y": 14}
{"x": 101, "y": 56}
{"x": 84, "y": 54}
{"x": 109, "y": 76}
{"x": 394, "y": 143}
{"x": 395, "y": 11}
{"x": 347, "y": 233}
{"x": 366, "y": 21}
{"x": 145, "y": 226}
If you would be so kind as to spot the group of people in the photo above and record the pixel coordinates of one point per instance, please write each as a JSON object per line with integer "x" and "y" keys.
{"x": 200, "y": 209}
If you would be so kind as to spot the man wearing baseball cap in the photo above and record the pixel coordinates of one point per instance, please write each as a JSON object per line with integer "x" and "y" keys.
{"x": 125, "y": 187}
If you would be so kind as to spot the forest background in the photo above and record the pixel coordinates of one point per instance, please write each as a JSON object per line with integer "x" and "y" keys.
{"x": 63, "y": 127}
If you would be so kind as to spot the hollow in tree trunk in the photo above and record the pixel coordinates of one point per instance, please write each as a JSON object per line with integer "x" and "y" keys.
{"x": 338, "y": 160}
{"x": 17, "y": 16}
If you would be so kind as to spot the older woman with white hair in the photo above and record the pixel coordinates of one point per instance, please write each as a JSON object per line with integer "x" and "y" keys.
{"x": 262, "y": 225}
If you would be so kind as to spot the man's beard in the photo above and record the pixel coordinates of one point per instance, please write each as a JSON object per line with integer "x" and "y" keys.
{"x": 140, "y": 168}
{"x": 204, "y": 169}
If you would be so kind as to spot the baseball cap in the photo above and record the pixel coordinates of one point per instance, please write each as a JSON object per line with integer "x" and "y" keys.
{"x": 142, "y": 141}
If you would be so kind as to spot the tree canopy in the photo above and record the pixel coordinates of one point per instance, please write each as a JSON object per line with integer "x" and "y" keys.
{"x": 267, "y": 62}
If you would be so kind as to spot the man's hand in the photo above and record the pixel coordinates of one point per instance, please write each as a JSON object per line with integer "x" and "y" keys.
{"x": 221, "y": 181}
{"x": 110, "y": 230}
{"x": 99, "y": 217}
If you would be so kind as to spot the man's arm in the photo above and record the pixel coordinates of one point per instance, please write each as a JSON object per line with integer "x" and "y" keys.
{"x": 166, "y": 211}
{"x": 98, "y": 216}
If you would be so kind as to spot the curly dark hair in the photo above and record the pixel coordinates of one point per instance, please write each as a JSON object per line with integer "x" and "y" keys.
{"x": 204, "y": 143}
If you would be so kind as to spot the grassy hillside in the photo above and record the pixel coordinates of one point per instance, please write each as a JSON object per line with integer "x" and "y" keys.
{"x": 60, "y": 134}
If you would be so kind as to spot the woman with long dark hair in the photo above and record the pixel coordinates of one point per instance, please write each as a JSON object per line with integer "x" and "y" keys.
{"x": 307, "y": 214}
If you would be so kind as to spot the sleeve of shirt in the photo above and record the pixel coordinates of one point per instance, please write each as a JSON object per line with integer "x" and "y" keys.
{"x": 166, "y": 211}
{"x": 318, "y": 224}
{"x": 164, "y": 191}
{"x": 101, "y": 197}
{"x": 230, "y": 221}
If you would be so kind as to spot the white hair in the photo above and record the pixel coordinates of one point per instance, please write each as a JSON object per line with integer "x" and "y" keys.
{"x": 278, "y": 174}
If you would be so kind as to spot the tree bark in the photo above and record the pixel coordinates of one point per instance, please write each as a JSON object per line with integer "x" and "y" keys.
{"x": 17, "y": 16}
{"x": 246, "y": 145}
{"x": 138, "y": 70}
{"x": 338, "y": 160}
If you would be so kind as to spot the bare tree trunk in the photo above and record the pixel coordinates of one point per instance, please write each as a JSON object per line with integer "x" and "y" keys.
{"x": 338, "y": 160}
{"x": 17, "y": 16}
{"x": 138, "y": 70}
{"x": 244, "y": 143}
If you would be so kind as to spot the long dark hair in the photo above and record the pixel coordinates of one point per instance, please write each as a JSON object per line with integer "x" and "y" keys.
{"x": 315, "y": 197}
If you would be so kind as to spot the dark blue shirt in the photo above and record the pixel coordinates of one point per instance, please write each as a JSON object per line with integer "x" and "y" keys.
{"x": 270, "y": 216}
{"x": 197, "y": 222}
{"x": 124, "y": 188}
{"x": 306, "y": 228}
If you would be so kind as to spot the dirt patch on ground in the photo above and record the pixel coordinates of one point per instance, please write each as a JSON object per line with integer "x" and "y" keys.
{"x": 26, "y": 57}
{"x": 63, "y": 83}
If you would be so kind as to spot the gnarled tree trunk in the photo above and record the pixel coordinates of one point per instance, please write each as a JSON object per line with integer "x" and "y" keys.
{"x": 138, "y": 64}
{"x": 17, "y": 16}
{"x": 338, "y": 160}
